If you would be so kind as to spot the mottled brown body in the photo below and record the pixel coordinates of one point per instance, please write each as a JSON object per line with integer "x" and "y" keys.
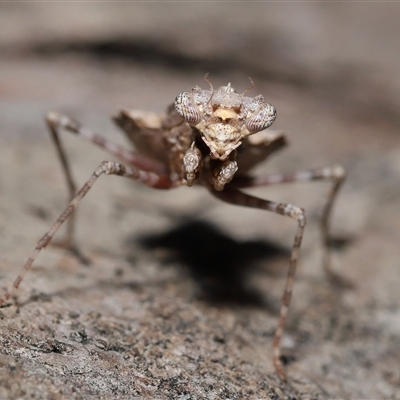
{"x": 165, "y": 139}
{"x": 210, "y": 137}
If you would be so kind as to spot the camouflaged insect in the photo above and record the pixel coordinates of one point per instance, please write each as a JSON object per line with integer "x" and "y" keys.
{"x": 209, "y": 137}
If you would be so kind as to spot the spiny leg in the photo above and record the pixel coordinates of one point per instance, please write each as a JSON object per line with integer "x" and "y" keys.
{"x": 106, "y": 167}
{"x": 239, "y": 198}
{"x": 56, "y": 121}
{"x": 336, "y": 175}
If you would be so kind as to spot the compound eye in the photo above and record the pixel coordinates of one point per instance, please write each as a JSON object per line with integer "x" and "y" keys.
{"x": 187, "y": 109}
{"x": 263, "y": 118}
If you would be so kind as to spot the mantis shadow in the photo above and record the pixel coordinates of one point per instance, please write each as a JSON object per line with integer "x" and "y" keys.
{"x": 219, "y": 264}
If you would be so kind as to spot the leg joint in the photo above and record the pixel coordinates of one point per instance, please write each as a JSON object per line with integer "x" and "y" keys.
{"x": 337, "y": 173}
{"x": 112, "y": 168}
{"x": 56, "y": 120}
{"x": 294, "y": 212}
{"x": 53, "y": 118}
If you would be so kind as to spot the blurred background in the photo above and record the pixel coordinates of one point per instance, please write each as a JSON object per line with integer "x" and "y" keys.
{"x": 332, "y": 72}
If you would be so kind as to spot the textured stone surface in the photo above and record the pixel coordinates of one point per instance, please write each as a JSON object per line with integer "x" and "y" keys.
{"x": 158, "y": 322}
